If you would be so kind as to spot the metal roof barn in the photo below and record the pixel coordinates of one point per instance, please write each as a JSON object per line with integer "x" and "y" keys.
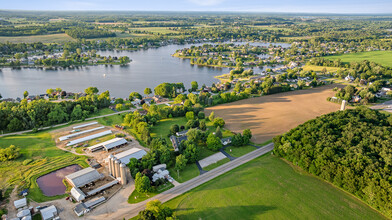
{"x": 63, "y": 138}
{"x": 110, "y": 144}
{"x": 99, "y": 189}
{"x": 125, "y": 156}
{"x": 20, "y": 203}
{"x": 80, "y": 140}
{"x": 78, "y": 194}
{"x": 85, "y": 125}
{"x": 83, "y": 177}
{"x": 49, "y": 212}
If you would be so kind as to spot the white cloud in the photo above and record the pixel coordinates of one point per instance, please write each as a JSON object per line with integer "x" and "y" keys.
{"x": 207, "y": 2}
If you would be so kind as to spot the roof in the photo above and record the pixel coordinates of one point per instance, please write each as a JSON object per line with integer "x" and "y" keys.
{"x": 80, "y": 209}
{"x": 115, "y": 142}
{"x": 63, "y": 138}
{"x": 49, "y": 212}
{"x": 180, "y": 133}
{"x": 77, "y": 194}
{"x": 24, "y": 212}
{"x": 94, "y": 202}
{"x": 99, "y": 189}
{"x": 85, "y": 125}
{"x": 125, "y": 156}
{"x": 80, "y": 140}
{"x": 20, "y": 203}
{"x": 83, "y": 177}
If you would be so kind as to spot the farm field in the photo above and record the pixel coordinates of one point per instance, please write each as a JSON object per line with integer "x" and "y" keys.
{"x": 39, "y": 155}
{"x": 382, "y": 57}
{"x": 279, "y": 191}
{"x": 320, "y": 68}
{"x": 49, "y": 38}
{"x": 270, "y": 115}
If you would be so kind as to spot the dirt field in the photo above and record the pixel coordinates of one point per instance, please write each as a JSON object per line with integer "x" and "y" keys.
{"x": 271, "y": 115}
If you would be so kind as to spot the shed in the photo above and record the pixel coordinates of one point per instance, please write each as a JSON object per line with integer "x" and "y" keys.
{"x": 78, "y": 194}
{"x": 83, "y": 139}
{"x": 94, "y": 202}
{"x": 99, "y": 189}
{"x": 81, "y": 209}
{"x": 125, "y": 156}
{"x": 85, "y": 125}
{"x": 63, "y": 138}
{"x": 20, "y": 203}
{"x": 49, "y": 212}
{"x": 23, "y": 213}
{"x": 83, "y": 177}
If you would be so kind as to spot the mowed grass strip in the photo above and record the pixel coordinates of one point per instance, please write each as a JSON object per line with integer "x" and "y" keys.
{"x": 269, "y": 188}
{"x": 381, "y": 57}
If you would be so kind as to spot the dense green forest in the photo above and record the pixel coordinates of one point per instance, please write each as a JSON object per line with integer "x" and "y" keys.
{"x": 351, "y": 149}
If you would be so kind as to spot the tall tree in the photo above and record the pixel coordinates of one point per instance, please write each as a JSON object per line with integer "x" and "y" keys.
{"x": 147, "y": 91}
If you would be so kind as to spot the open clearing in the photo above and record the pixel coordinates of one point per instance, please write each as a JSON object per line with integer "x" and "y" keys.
{"x": 381, "y": 57}
{"x": 271, "y": 115}
{"x": 49, "y": 38}
{"x": 268, "y": 188}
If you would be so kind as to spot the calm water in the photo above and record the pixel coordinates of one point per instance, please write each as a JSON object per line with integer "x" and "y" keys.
{"x": 148, "y": 69}
{"x": 51, "y": 184}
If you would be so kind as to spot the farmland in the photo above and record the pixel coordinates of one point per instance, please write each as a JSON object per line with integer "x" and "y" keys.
{"x": 39, "y": 155}
{"x": 268, "y": 116}
{"x": 380, "y": 57}
{"x": 279, "y": 191}
{"x": 49, "y": 38}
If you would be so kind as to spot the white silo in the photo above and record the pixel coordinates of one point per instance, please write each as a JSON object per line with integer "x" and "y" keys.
{"x": 123, "y": 172}
{"x": 343, "y": 106}
{"x": 113, "y": 166}
{"x": 110, "y": 164}
{"x": 117, "y": 166}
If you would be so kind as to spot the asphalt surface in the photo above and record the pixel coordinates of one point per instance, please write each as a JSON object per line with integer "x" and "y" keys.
{"x": 134, "y": 209}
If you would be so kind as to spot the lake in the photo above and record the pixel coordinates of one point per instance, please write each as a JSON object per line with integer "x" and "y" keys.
{"x": 148, "y": 68}
{"x": 52, "y": 184}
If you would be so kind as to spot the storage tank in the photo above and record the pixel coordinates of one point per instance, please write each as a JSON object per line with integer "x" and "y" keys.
{"x": 123, "y": 172}
{"x": 343, "y": 106}
{"x": 110, "y": 164}
{"x": 113, "y": 166}
{"x": 117, "y": 166}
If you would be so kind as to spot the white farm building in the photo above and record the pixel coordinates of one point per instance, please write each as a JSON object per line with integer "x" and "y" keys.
{"x": 107, "y": 145}
{"x": 125, "y": 156}
{"x": 83, "y": 177}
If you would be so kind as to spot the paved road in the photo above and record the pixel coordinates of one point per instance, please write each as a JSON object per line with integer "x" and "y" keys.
{"x": 386, "y": 106}
{"x": 134, "y": 209}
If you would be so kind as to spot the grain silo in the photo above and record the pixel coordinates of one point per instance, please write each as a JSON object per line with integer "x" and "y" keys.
{"x": 343, "y": 106}
{"x": 117, "y": 167}
{"x": 110, "y": 164}
{"x": 123, "y": 171}
{"x": 113, "y": 166}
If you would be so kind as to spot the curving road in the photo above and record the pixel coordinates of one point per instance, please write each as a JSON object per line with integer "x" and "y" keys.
{"x": 131, "y": 210}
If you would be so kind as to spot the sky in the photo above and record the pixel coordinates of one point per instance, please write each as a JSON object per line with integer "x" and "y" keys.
{"x": 307, "y": 6}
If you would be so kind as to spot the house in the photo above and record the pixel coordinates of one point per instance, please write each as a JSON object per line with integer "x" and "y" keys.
{"x": 148, "y": 100}
{"x": 356, "y": 98}
{"x": 182, "y": 133}
{"x": 176, "y": 141}
{"x": 349, "y": 78}
{"x": 226, "y": 141}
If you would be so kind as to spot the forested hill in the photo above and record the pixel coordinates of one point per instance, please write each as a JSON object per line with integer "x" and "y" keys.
{"x": 351, "y": 149}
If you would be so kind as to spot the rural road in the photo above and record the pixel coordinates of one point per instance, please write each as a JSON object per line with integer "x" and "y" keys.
{"x": 386, "y": 106}
{"x": 131, "y": 210}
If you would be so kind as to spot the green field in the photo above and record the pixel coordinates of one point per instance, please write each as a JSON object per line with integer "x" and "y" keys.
{"x": 190, "y": 171}
{"x": 381, "y": 57}
{"x": 49, "y": 38}
{"x": 162, "y": 128}
{"x": 239, "y": 151}
{"x": 137, "y": 197}
{"x": 269, "y": 188}
{"x": 46, "y": 157}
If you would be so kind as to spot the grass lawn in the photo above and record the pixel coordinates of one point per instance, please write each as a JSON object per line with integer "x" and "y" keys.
{"x": 100, "y": 112}
{"x": 239, "y": 151}
{"x": 162, "y": 128}
{"x": 205, "y": 152}
{"x": 320, "y": 68}
{"x": 49, "y": 38}
{"x": 137, "y": 197}
{"x": 380, "y": 57}
{"x": 217, "y": 164}
{"x": 46, "y": 157}
{"x": 269, "y": 188}
{"x": 111, "y": 120}
{"x": 190, "y": 171}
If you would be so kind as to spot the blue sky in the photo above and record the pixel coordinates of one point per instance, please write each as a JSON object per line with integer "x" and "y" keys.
{"x": 310, "y": 6}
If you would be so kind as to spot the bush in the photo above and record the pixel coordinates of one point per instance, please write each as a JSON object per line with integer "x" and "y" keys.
{"x": 27, "y": 161}
{"x": 9, "y": 153}
{"x": 219, "y": 122}
{"x": 201, "y": 115}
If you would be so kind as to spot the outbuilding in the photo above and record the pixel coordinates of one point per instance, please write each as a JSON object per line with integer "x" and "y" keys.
{"x": 78, "y": 194}
{"x": 125, "y": 156}
{"x": 49, "y": 213}
{"x": 107, "y": 145}
{"x": 20, "y": 203}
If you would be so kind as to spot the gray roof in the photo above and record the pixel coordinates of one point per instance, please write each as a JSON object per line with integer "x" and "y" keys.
{"x": 80, "y": 208}
{"x": 80, "y": 140}
{"x": 85, "y": 125}
{"x": 125, "y": 156}
{"x": 99, "y": 189}
{"x": 94, "y": 202}
{"x": 115, "y": 142}
{"x": 83, "y": 177}
{"x": 63, "y": 138}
